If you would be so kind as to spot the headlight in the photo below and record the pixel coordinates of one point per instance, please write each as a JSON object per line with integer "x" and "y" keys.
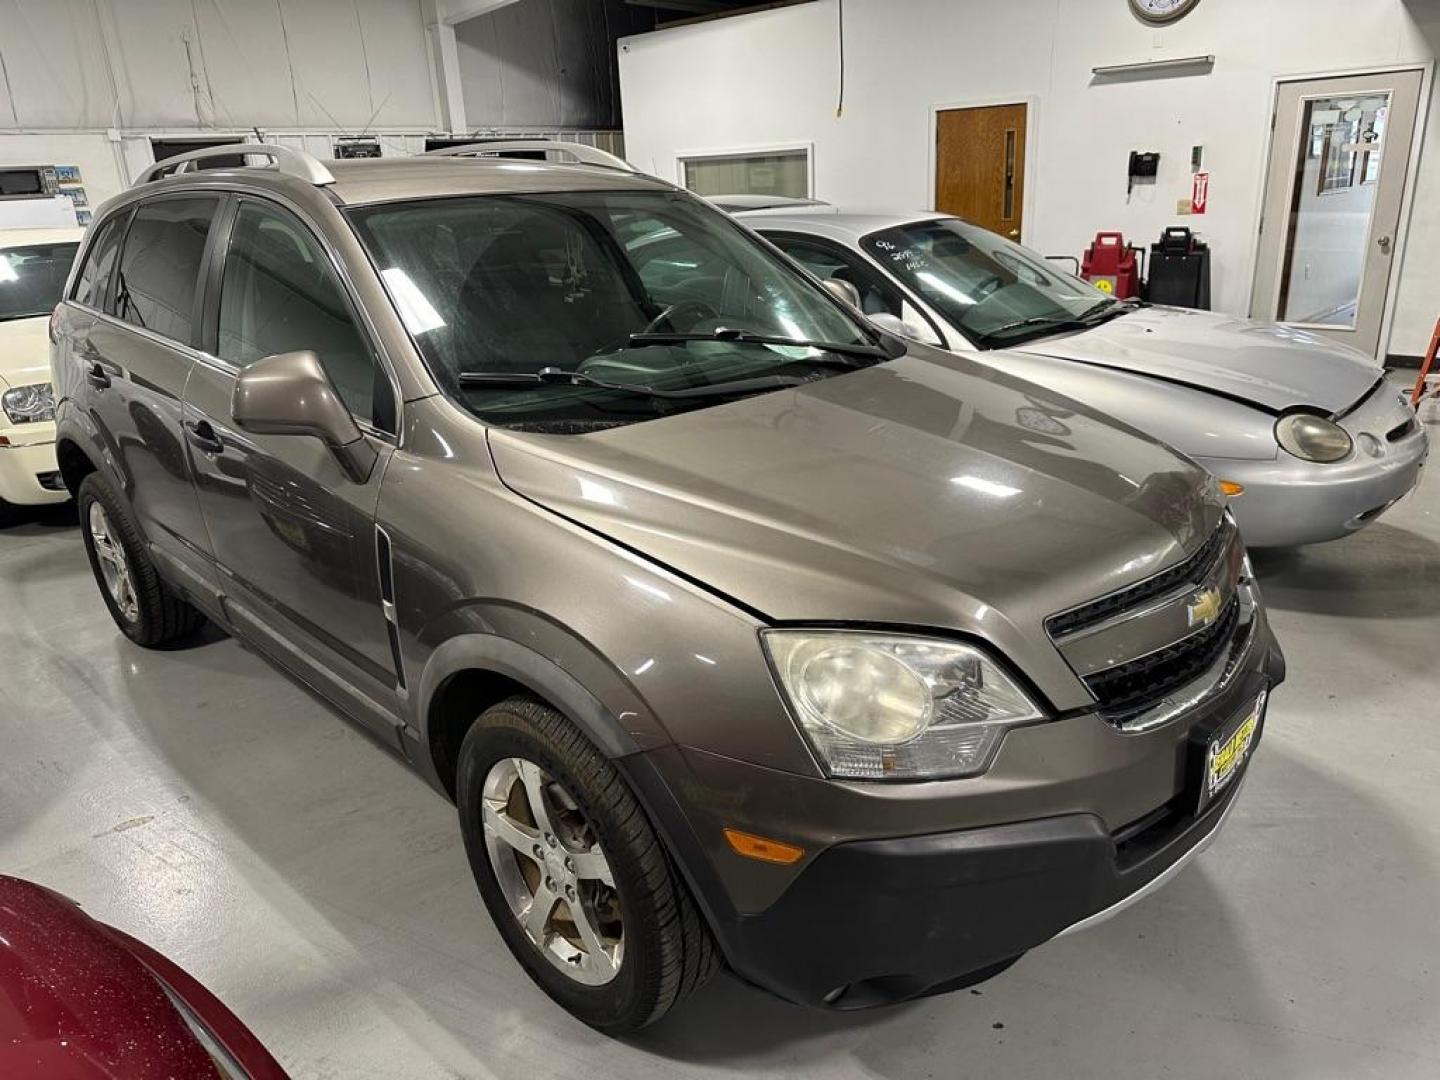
{"x": 1312, "y": 438}
{"x": 29, "y": 404}
{"x": 894, "y": 707}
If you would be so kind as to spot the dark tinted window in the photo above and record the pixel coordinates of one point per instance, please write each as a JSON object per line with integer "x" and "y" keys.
{"x": 160, "y": 265}
{"x": 93, "y": 285}
{"x": 32, "y": 278}
{"x": 877, "y": 296}
{"x": 281, "y": 294}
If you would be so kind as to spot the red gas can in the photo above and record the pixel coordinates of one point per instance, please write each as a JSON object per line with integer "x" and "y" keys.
{"x": 1110, "y": 265}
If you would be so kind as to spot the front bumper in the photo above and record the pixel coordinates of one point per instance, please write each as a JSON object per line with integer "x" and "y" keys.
{"x": 871, "y": 918}
{"x": 29, "y": 475}
{"x": 1289, "y": 502}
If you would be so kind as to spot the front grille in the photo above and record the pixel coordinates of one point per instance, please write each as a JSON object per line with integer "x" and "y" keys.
{"x": 1097, "y": 611}
{"x": 1399, "y": 432}
{"x": 1133, "y": 685}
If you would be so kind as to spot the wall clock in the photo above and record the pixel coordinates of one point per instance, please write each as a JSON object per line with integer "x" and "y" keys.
{"x": 1162, "y": 11}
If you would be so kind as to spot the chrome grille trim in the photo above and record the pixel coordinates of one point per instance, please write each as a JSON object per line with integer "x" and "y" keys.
{"x": 1091, "y": 614}
{"x": 1150, "y": 651}
{"x": 1214, "y": 680}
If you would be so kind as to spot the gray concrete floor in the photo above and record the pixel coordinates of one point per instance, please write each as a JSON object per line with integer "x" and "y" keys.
{"x": 198, "y": 800}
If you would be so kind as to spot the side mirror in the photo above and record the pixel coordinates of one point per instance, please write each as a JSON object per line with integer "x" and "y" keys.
{"x": 843, "y": 291}
{"x": 290, "y": 394}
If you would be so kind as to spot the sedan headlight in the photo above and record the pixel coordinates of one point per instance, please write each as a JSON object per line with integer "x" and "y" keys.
{"x": 895, "y": 707}
{"x": 29, "y": 404}
{"x": 1312, "y": 438}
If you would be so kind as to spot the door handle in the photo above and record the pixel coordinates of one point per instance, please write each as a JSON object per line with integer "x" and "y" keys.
{"x": 1384, "y": 243}
{"x": 97, "y": 376}
{"x": 203, "y": 437}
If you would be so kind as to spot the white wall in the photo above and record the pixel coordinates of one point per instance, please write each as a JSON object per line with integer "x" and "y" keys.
{"x": 75, "y": 69}
{"x": 772, "y": 78}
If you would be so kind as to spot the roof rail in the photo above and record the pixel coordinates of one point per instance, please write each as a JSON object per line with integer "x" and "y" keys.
{"x": 289, "y": 162}
{"x": 585, "y": 155}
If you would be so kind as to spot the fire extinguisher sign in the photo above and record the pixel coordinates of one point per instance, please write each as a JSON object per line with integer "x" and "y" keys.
{"x": 1200, "y": 193}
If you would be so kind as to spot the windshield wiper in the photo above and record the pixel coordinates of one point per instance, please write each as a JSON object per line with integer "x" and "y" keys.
{"x": 749, "y": 337}
{"x": 553, "y": 376}
{"x": 1048, "y": 321}
{"x": 1084, "y": 321}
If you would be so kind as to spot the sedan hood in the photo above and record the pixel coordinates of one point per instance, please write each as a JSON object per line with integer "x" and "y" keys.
{"x": 1265, "y": 364}
{"x": 930, "y": 490}
{"x": 25, "y": 351}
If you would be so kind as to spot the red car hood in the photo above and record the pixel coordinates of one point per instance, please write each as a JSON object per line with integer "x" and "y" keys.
{"x": 81, "y": 1001}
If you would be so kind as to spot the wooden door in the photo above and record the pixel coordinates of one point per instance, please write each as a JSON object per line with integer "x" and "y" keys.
{"x": 980, "y": 166}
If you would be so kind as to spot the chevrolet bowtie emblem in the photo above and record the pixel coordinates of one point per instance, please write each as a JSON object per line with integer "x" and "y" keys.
{"x": 1205, "y": 608}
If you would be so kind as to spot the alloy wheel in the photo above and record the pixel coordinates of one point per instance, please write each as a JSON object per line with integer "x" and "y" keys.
{"x": 552, "y": 871}
{"x": 113, "y": 565}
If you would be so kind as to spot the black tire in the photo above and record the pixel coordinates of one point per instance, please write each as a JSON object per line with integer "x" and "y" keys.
{"x": 9, "y": 514}
{"x": 669, "y": 952}
{"x": 162, "y": 617}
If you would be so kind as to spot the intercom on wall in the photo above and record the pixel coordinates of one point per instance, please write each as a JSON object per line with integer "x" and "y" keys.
{"x": 1143, "y": 165}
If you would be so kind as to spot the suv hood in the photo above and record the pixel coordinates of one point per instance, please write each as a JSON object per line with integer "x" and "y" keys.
{"x": 927, "y": 491}
{"x": 1265, "y": 364}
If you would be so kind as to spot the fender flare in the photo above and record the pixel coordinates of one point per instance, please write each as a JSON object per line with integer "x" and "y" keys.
{"x": 539, "y": 674}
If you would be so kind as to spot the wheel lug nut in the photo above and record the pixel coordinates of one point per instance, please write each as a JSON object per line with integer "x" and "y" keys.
{"x": 549, "y": 884}
{"x": 570, "y": 892}
{"x": 539, "y": 851}
{"x": 570, "y": 865}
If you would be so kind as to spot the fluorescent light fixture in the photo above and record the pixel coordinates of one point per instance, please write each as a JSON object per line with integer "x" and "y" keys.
{"x": 7, "y": 272}
{"x": 1157, "y": 67}
{"x": 417, "y": 313}
{"x": 986, "y": 487}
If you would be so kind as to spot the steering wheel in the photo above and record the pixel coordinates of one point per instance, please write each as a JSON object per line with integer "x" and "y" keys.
{"x": 700, "y": 307}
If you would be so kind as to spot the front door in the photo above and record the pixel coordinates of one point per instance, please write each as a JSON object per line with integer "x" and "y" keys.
{"x": 294, "y": 537}
{"x": 980, "y": 166}
{"x": 1338, "y": 167}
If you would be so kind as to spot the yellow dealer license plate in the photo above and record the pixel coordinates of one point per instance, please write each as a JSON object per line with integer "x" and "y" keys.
{"x": 1229, "y": 749}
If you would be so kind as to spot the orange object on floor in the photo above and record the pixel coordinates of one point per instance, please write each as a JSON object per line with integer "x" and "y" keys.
{"x": 1419, "y": 391}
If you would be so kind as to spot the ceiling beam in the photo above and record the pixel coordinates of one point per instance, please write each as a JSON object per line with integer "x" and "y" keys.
{"x": 698, "y": 7}
{"x": 454, "y": 11}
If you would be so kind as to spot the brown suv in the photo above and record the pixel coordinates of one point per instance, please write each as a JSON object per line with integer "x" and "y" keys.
{"x": 739, "y": 630}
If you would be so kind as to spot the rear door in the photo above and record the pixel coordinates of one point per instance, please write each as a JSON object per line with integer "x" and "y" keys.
{"x": 294, "y": 538}
{"x": 136, "y": 354}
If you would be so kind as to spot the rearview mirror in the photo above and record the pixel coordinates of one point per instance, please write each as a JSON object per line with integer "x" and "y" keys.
{"x": 290, "y": 394}
{"x": 843, "y": 291}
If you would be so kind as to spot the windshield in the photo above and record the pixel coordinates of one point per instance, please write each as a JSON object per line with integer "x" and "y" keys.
{"x": 992, "y": 290}
{"x": 495, "y": 289}
{"x": 32, "y": 278}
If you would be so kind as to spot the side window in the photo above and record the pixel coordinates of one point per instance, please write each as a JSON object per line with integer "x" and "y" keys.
{"x": 93, "y": 284}
{"x": 281, "y": 294}
{"x": 877, "y": 296}
{"x": 160, "y": 265}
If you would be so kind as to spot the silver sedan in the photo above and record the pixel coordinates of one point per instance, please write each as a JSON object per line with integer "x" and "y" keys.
{"x": 1305, "y": 435}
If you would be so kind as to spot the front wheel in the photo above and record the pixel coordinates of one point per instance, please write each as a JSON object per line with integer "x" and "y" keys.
{"x": 147, "y": 611}
{"x": 572, "y": 872}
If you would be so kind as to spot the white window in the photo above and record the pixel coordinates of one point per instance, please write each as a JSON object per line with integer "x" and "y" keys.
{"x": 784, "y": 172}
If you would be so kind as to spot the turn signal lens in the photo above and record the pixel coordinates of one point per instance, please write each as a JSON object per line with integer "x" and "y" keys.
{"x": 1231, "y": 489}
{"x": 757, "y": 847}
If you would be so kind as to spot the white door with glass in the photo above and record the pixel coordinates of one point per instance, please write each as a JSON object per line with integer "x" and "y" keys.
{"x": 1338, "y": 167}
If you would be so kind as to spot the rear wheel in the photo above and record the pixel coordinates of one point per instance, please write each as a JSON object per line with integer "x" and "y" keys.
{"x": 572, "y": 872}
{"x": 147, "y": 610}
